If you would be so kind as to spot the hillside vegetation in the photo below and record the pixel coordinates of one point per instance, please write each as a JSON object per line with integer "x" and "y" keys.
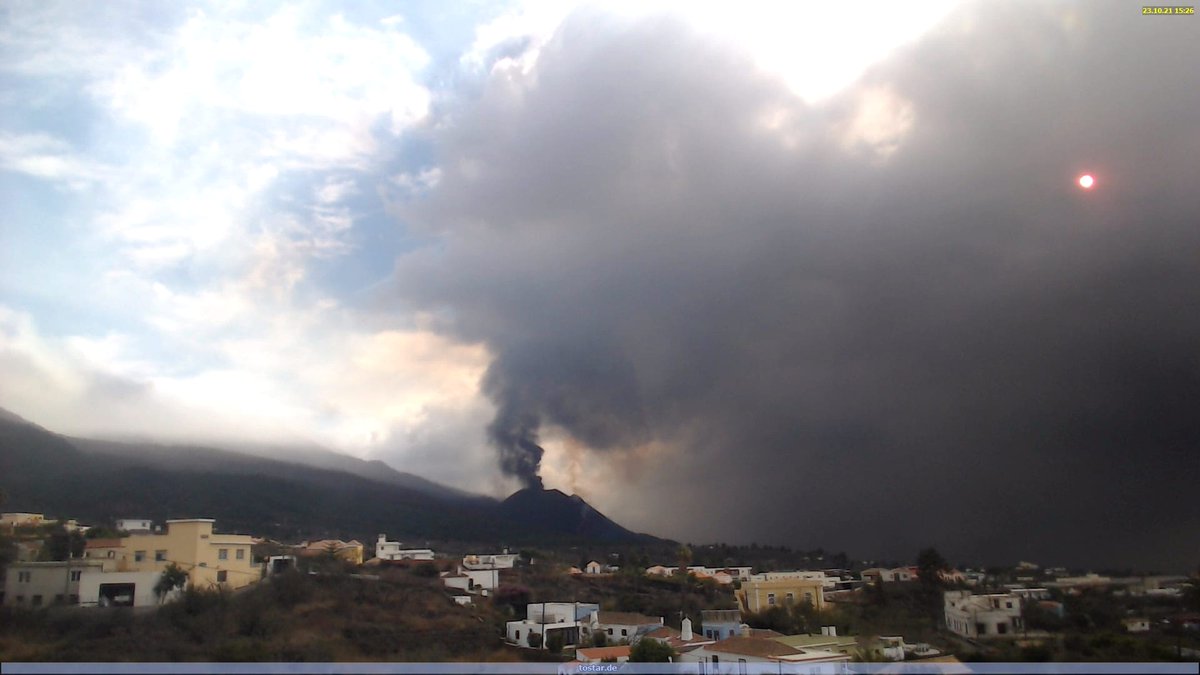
{"x": 294, "y": 617}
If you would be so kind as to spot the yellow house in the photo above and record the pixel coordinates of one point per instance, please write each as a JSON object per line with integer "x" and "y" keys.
{"x": 350, "y": 551}
{"x": 757, "y": 596}
{"x": 210, "y": 559}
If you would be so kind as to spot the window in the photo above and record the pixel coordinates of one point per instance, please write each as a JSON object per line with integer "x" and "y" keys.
{"x": 76, "y": 574}
{"x": 518, "y": 636}
{"x": 223, "y": 554}
{"x": 58, "y": 598}
{"x": 73, "y": 598}
{"x": 1008, "y": 604}
{"x": 610, "y": 631}
{"x": 1002, "y": 628}
{"x": 791, "y": 597}
{"x": 20, "y": 599}
{"x": 241, "y": 554}
{"x": 624, "y": 632}
{"x": 112, "y": 554}
{"x": 808, "y": 598}
{"x": 160, "y": 556}
{"x": 222, "y": 576}
{"x": 23, "y": 577}
{"x": 37, "y": 601}
{"x": 770, "y": 598}
{"x": 139, "y": 556}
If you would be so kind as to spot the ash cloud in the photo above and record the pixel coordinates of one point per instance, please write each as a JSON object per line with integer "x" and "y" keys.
{"x": 848, "y": 348}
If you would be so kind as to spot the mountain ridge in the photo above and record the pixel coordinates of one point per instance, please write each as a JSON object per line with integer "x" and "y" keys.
{"x": 100, "y": 480}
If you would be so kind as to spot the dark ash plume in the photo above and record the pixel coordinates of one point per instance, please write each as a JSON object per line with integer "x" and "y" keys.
{"x": 514, "y": 433}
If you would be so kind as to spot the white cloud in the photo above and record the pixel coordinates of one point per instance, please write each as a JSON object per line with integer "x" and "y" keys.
{"x": 45, "y": 156}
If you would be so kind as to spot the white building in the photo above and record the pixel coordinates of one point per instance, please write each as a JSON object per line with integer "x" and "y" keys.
{"x": 571, "y": 620}
{"x": 623, "y": 626}
{"x": 490, "y": 561}
{"x": 135, "y": 524}
{"x": 121, "y": 589}
{"x": 473, "y": 580}
{"x": 39, "y": 584}
{"x": 983, "y": 616}
{"x": 393, "y": 550}
{"x": 827, "y": 583}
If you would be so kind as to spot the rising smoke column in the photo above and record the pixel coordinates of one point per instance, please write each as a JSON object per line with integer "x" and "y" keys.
{"x": 514, "y": 432}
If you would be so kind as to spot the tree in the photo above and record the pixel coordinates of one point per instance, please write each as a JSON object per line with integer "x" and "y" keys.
{"x": 535, "y": 640}
{"x": 930, "y": 565}
{"x": 63, "y": 545}
{"x": 684, "y": 557}
{"x": 649, "y": 650}
{"x": 555, "y": 642}
{"x": 173, "y": 577}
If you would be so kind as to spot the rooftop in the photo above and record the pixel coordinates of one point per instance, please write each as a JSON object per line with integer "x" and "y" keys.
{"x": 628, "y": 618}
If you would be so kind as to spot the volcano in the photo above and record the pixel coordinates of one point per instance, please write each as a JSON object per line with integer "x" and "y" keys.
{"x": 552, "y": 513}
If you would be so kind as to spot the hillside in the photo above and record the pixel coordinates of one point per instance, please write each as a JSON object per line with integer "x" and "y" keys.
{"x": 99, "y": 481}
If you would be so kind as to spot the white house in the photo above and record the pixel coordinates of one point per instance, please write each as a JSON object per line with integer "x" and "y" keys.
{"x": 570, "y": 620}
{"x": 827, "y": 582}
{"x": 121, "y": 589}
{"x": 393, "y": 550}
{"x": 983, "y": 616}
{"x": 472, "y": 580}
{"x": 661, "y": 571}
{"x": 39, "y": 584}
{"x": 593, "y": 567}
{"x": 135, "y": 524}
{"x": 618, "y": 626}
{"x": 490, "y": 561}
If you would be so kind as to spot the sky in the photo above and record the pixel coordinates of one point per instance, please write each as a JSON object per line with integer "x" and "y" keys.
{"x": 742, "y": 272}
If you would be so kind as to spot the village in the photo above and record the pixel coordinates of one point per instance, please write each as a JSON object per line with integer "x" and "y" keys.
{"x": 548, "y": 607}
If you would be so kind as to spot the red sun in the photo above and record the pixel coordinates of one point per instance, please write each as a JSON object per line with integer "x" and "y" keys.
{"x": 1086, "y": 181}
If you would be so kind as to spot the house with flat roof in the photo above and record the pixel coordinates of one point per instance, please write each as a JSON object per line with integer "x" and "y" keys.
{"x": 135, "y": 524}
{"x": 623, "y": 626}
{"x": 41, "y": 584}
{"x": 394, "y": 550}
{"x": 571, "y": 621}
{"x": 983, "y": 616}
{"x": 209, "y": 558}
{"x": 758, "y": 596}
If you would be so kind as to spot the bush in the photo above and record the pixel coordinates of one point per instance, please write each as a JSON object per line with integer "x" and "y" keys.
{"x": 649, "y": 650}
{"x": 425, "y": 570}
